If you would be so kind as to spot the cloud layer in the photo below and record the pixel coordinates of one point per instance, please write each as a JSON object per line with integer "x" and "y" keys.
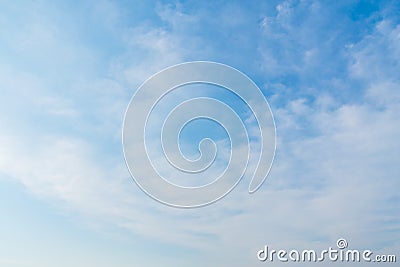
{"x": 330, "y": 74}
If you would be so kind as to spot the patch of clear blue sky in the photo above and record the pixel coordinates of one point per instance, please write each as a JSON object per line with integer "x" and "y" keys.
{"x": 327, "y": 29}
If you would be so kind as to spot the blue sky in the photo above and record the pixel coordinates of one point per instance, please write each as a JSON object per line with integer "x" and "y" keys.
{"x": 330, "y": 72}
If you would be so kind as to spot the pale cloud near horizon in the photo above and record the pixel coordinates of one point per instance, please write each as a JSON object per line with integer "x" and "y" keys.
{"x": 337, "y": 164}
